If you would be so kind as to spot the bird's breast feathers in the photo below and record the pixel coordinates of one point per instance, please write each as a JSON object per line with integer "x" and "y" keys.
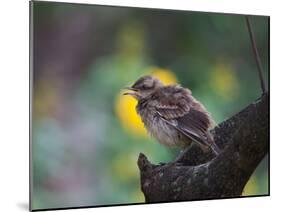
{"x": 164, "y": 133}
{"x": 159, "y": 129}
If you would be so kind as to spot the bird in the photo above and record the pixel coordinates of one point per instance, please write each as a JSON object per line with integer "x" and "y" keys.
{"x": 172, "y": 115}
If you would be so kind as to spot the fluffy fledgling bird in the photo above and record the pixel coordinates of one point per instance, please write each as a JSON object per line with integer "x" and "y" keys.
{"x": 172, "y": 115}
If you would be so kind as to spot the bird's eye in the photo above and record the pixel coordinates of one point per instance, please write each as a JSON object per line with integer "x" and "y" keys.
{"x": 145, "y": 87}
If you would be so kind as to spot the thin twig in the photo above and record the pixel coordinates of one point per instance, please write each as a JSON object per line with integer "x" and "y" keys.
{"x": 258, "y": 60}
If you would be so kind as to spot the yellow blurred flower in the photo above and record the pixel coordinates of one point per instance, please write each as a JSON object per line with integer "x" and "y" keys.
{"x": 224, "y": 81}
{"x": 165, "y": 75}
{"x": 46, "y": 98}
{"x": 125, "y": 105}
{"x": 128, "y": 172}
{"x": 130, "y": 40}
{"x": 138, "y": 195}
{"x": 126, "y": 112}
{"x": 251, "y": 187}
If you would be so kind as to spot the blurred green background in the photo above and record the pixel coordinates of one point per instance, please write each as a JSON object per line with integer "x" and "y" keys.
{"x": 86, "y": 137}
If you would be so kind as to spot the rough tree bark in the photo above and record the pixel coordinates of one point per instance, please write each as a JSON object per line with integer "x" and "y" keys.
{"x": 244, "y": 139}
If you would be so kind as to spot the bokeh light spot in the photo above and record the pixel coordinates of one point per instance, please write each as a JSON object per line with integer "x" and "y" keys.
{"x": 165, "y": 75}
{"x": 126, "y": 112}
{"x": 251, "y": 187}
{"x": 224, "y": 81}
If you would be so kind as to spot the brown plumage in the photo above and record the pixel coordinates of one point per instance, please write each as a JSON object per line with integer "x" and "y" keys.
{"x": 172, "y": 115}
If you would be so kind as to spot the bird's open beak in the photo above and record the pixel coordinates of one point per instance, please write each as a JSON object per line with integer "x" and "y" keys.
{"x": 133, "y": 93}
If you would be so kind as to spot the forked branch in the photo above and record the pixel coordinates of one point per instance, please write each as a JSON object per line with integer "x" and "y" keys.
{"x": 244, "y": 141}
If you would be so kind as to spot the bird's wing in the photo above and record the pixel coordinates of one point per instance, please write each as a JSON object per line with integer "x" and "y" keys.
{"x": 191, "y": 126}
{"x": 182, "y": 113}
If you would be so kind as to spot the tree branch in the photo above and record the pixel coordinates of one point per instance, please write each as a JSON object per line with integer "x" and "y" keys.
{"x": 257, "y": 56}
{"x": 244, "y": 140}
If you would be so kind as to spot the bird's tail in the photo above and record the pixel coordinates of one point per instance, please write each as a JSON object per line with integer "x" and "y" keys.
{"x": 215, "y": 148}
{"x": 213, "y": 145}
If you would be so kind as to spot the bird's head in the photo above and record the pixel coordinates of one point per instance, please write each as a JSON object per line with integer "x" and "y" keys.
{"x": 143, "y": 87}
